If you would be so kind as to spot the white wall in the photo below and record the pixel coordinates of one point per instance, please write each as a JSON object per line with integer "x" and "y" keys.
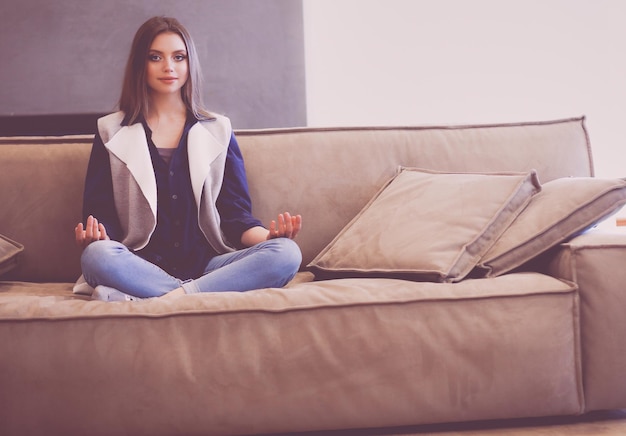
{"x": 382, "y": 62}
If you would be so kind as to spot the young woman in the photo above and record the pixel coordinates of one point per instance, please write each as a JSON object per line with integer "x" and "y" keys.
{"x": 166, "y": 205}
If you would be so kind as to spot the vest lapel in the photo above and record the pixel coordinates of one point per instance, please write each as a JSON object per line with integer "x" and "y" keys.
{"x": 131, "y": 147}
{"x": 203, "y": 148}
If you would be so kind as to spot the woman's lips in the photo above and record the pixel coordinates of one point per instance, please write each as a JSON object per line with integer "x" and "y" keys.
{"x": 168, "y": 80}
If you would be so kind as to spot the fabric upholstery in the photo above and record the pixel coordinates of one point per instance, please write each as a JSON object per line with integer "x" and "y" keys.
{"x": 563, "y": 208}
{"x": 329, "y": 175}
{"x": 596, "y": 261}
{"x": 42, "y": 188}
{"x": 426, "y": 225}
{"x": 9, "y": 252}
{"x": 344, "y": 353}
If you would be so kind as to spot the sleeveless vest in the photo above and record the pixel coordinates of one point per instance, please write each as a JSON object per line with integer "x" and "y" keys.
{"x": 134, "y": 181}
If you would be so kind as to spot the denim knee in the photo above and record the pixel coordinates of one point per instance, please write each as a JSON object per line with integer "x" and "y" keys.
{"x": 293, "y": 254}
{"x": 98, "y": 257}
{"x": 289, "y": 256}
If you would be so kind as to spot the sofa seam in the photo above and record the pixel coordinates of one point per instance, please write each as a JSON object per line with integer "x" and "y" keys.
{"x": 451, "y": 127}
{"x": 580, "y": 379}
{"x": 572, "y": 290}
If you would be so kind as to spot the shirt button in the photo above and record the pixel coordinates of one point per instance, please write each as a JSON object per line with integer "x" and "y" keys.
{"x": 171, "y": 173}
{"x": 175, "y": 197}
{"x": 176, "y": 244}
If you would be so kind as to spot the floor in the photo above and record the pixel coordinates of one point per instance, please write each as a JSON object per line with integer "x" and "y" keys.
{"x": 604, "y": 423}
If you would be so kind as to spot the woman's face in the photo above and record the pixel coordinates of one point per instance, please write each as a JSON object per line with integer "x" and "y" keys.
{"x": 167, "y": 68}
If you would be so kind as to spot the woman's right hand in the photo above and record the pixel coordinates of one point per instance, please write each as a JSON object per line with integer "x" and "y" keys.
{"x": 93, "y": 231}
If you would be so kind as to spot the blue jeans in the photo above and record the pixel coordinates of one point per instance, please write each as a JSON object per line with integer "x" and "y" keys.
{"x": 269, "y": 264}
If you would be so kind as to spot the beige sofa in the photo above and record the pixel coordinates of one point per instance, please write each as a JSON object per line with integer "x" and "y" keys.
{"x": 368, "y": 349}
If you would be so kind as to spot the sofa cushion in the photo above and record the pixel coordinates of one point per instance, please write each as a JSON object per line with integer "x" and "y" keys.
{"x": 9, "y": 254}
{"x": 426, "y": 225}
{"x": 564, "y": 207}
{"x": 319, "y": 356}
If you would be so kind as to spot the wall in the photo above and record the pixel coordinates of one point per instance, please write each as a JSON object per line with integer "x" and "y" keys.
{"x": 379, "y": 62}
{"x": 368, "y": 62}
{"x": 61, "y": 57}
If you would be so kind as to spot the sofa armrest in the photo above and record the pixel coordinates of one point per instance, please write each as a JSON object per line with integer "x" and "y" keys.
{"x": 596, "y": 262}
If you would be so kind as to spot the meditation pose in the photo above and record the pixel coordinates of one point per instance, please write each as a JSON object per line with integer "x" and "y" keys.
{"x": 166, "y": 206}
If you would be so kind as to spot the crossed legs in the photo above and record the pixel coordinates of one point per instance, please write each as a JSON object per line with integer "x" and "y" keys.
{"x": 268, "y": 264}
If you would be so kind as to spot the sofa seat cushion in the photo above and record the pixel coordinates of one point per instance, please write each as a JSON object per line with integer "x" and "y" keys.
{"x": 320, "y": 355}
{"x": 427, "y": 225}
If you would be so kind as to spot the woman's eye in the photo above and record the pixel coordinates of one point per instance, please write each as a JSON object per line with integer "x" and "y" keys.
{"x": 154, "y": 58}
{"x": 180, "y": 58}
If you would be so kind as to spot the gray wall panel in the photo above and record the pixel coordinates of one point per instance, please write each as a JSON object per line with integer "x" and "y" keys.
{"x": 68, "y": 56}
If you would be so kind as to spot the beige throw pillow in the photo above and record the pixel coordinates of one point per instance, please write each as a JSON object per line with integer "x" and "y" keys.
{"x": 564, "y": 208}
{"x": 9, "y": 253}
{"x": 426, "y": 225}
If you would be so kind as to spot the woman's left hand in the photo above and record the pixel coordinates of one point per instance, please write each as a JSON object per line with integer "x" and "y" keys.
{"x": 286, "y": 226}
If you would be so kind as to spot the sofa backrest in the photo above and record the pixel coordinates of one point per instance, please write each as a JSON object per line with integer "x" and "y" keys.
{"x": 326, "y": 175}
{"x": 42, "y": 181}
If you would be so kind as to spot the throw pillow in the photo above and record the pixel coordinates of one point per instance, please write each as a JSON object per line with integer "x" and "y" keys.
{"x": 426, "y": 225}
{"x": 9, "y": 253}
{"x": 564, "y": 208}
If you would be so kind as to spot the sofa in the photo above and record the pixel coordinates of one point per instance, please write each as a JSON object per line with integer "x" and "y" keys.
{"x": 450, "y": 273}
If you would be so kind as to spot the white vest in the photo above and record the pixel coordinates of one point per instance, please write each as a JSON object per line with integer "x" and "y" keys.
{"x": 134, "y": 181}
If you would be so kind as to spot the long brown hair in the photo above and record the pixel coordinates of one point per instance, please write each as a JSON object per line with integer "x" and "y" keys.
{"x": 134, "y": 101}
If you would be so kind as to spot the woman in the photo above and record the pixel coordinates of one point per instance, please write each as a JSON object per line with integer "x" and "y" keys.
{"x": 166, "y": 204}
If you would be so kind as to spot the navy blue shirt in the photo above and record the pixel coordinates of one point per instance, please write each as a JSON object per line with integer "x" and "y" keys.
{"x": 177, "y": 245}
